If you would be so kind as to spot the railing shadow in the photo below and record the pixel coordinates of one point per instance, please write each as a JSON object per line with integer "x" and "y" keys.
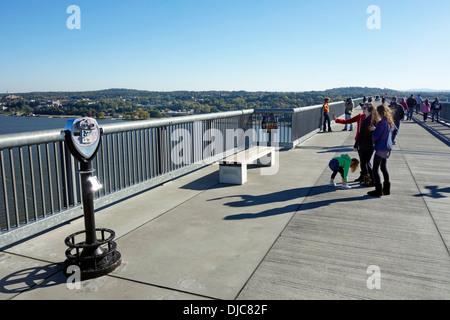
{"x": 247, "y": 200}
{"x": 436, "y": 130}
{"x": 32, "y": 278}
{"x": 333, "y": 149}
{"x": 283, "y": 196}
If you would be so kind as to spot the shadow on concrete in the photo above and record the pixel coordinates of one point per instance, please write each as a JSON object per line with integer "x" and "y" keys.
{"x": 294, "y": 208}
{"x": 333, "y": 149}
{"x": 437, "y": 129}
{"x": 32, "y": 278}
{"x": 435, "y": 192}
{"x": 204, "y": 183}
{"x": 282, "y": 196}
{"x": 247, "y": 200}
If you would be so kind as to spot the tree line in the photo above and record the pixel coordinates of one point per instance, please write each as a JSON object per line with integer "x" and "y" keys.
{"x": 141, "y": 104}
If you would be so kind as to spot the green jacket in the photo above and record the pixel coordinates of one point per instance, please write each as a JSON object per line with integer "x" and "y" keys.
{"x": 344, "y": 161}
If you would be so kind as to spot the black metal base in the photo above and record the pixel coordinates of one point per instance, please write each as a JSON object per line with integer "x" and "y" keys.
{"x": 94, "y": 260}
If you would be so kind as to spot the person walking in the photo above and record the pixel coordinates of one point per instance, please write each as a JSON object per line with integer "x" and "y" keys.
{"x": 398, "y": 114}
{"x": 411, "y": 102}
{"x": 349, "y": 105}
{"x": 426, "y": 107}
{"x": 326, "y": 115}
{"x": 405, "y": 107}
{"x": 382, "y": 144}
{"x": 364, "y": 143}
{"x": 435, "y": 109}
{"x": 419, "y": 103}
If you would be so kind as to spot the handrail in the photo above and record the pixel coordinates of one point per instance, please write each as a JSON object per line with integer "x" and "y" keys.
{"x": 145, "y": 124}
{"x": 45, "y": 136}
{"x": 297, "y": 110}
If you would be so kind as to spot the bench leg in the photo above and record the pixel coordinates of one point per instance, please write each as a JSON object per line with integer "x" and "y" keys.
{"x": 233, "y": 174}
{"x": 267, "y": 161}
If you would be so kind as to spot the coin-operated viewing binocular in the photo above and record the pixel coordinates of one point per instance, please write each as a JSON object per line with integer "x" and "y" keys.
{"x": 95, "y": 256}
{"x": 83, "y": 137}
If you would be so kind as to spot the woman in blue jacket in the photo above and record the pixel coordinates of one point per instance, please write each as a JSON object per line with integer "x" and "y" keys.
{"x": 382, "y": 144}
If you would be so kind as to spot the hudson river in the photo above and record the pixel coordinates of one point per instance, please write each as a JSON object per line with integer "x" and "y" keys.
{"x": 11, "y": 124}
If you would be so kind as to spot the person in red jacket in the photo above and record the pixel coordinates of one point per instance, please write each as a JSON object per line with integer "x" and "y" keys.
{"x": 358, "y": 119}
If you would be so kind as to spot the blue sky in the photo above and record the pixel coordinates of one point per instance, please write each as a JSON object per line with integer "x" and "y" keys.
{"x": 253, "y": 45}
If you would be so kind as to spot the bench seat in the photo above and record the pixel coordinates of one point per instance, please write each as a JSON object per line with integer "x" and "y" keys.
{"x": 233, "y": 169}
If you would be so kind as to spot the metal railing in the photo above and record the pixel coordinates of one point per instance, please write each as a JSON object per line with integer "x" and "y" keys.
{"x": 445, "y": 112}
{"x": 297, "y": 124}
{"x": 40, "y": 187}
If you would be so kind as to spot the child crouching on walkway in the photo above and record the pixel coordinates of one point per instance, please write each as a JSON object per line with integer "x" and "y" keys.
{"x": 342, "y": 164}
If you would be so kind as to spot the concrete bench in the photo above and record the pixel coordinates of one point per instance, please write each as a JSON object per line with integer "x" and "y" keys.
{"x": 233, "y": 169}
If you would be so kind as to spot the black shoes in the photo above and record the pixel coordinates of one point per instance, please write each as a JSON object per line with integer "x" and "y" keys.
{"x": 386, "y": 188}
{"x": 379, "y": 191}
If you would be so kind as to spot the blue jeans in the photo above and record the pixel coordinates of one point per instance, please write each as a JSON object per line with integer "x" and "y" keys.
{"x": 410, "y": 113}
{"x": 435, "y": 113}
{"x": 396, "y": 129}
{"x": 348, "y": 116}
{"x": 326, "y": 119}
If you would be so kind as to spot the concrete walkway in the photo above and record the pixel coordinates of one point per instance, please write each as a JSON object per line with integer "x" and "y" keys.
{"x": 281, "y": 236}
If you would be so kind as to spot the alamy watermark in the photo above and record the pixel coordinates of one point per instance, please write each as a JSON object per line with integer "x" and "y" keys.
{"x": 74, "y": 280}
{"x": 374, "y": 280}
{"x": 74, "y": 20}
{"x": 374, "y": 20}
{"x": 217, "y": 144}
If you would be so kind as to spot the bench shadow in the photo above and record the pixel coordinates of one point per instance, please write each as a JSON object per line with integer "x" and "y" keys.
{"x": 203, "y": 183}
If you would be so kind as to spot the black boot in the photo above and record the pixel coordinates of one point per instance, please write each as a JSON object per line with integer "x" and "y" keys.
{"x": 386, "y": 188}
{"x": 377, "y": 192}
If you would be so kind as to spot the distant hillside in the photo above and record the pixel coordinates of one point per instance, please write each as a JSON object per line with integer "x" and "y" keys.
{"x": 133, "y": 93}
{"x": 141, "y": 103}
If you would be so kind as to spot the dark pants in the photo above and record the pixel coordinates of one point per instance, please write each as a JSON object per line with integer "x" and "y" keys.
{"x": 380, "y": 163}
{"x": 364, "y": 158}
{"x": 410, "y": 113}
{"x": 435, "y": 113}
{"x": 326, "y": 119}
{"x": 425, "y": 116}
{"x": 335, "y": 172}
{"x": 335, "y": 167}
{"x": 396, "y": 129}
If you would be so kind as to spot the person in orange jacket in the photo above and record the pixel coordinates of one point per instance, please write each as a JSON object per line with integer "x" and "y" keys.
{"x": 326, "y": 115}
